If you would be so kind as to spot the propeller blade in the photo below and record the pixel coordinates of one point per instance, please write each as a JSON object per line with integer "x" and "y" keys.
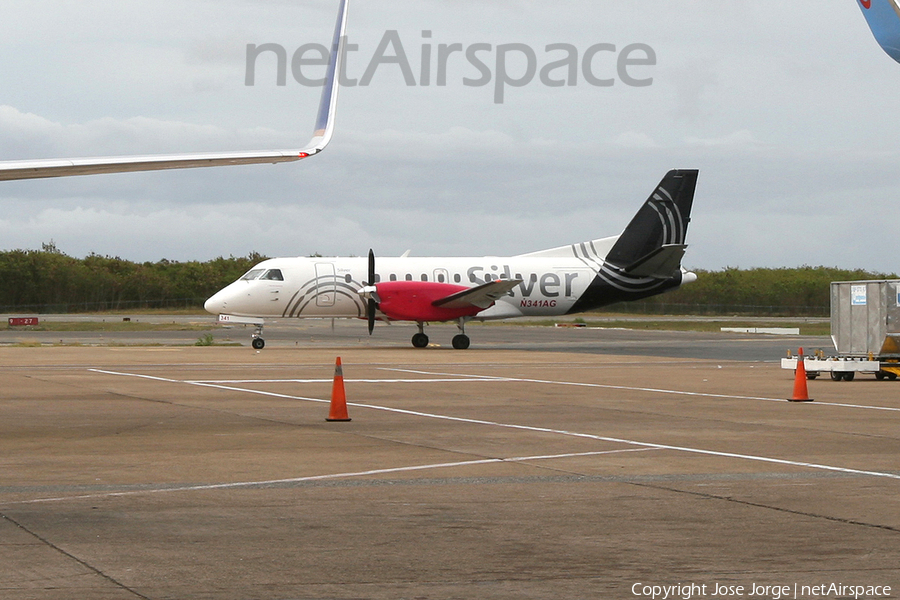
{"x": 371, "y": 305}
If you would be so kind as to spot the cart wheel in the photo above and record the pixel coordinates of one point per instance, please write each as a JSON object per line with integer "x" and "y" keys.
{"x": 848, "y": 376}
{"x": 836, "y": 375}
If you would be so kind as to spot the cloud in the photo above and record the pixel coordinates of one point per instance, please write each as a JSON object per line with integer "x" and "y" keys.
{"x": 634, "y": 139}
{"x": 742, "y": 138}
{"x": 790, "y": 121}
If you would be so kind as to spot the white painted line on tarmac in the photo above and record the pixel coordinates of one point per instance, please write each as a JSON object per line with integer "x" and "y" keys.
{"x": 636, "y": 389}
{"x": 210, "y": 385}
{"x": 346, "y": 380}
{"x": 331, "y": 476}
{"x": 548, "y": 430}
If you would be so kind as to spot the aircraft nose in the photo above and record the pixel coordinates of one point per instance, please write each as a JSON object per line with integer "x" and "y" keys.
{"x": 215, "y": 304}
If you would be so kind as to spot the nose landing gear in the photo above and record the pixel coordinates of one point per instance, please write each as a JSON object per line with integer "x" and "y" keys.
{"x": 258, "y": 342}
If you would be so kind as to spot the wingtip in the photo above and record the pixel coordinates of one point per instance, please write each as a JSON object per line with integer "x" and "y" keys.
{"x": 328, "y": 103}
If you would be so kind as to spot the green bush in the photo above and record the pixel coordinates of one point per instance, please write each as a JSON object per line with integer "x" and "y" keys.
{"x": 49, "y": 281}
{"x": 801, "y": 291}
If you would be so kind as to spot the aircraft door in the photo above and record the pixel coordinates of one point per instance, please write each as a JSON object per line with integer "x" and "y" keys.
{"x": 441, "y": 276}
{"x": 325, "y": 284}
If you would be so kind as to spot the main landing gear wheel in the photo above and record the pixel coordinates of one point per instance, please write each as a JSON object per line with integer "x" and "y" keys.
{"x": 420, "y": 340}
{"x": 461, "y": 341}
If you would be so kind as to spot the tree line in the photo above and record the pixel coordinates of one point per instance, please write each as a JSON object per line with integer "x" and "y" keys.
{"x": 48, "y": 280}
{"x": 800, "y": 291}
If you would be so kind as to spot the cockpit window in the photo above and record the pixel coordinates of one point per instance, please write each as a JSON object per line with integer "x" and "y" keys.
{"x": 252, "y": 274}
{"x": 273, "y": 275}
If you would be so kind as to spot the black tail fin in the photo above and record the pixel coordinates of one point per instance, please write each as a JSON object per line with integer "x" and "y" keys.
{"x": 653, "y": 243}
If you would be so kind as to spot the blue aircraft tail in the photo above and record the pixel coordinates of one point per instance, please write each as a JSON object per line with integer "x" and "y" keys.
{"x": 884, "y": 20}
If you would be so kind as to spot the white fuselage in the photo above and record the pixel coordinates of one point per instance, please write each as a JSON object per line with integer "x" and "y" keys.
{"x": 329, "y": 287}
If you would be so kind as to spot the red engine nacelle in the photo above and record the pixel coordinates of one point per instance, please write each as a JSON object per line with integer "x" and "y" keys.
{"x": 412, "y": 301}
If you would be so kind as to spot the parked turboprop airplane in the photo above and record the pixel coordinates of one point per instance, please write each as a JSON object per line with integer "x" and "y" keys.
{"x": 644, "y": 260}
{"x": 883, "y": 17}
{"x": 64, "y": 167}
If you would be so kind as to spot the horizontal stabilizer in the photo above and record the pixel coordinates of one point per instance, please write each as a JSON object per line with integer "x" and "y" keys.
{"x": 662, "y": 263}
{"x": 482, "y": 296}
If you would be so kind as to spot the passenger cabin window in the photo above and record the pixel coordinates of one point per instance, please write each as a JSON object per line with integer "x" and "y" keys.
{"x": 252, "y": 274}
{"x": 273, "y": 275}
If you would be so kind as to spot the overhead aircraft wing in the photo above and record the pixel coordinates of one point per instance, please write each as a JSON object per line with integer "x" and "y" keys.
{"x": 40, "y": 168}
{"x": 883, "y": 17}
{"x": 482, "y": 296}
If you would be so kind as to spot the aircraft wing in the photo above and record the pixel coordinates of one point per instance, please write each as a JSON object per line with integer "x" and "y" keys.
{"x": 482, "y": 296}
{"x": 883, "y": 17}
{"x": 36, "y": 169}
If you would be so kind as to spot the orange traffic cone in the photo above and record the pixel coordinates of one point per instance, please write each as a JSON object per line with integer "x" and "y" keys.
{"x": 338, "y": 410}
{"x": 801, "y": 393}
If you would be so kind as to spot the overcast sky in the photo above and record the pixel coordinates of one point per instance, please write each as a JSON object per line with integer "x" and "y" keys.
{"x": 789, "y": 110}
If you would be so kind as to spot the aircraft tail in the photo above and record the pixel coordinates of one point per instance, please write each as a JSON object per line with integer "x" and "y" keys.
{"x": 654, "y": 242}
{"x": 883, "y": 17}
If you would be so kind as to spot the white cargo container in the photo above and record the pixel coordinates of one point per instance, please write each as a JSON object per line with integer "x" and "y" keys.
{"x": 865, "y": 318}
{"x": 865, "y": 330}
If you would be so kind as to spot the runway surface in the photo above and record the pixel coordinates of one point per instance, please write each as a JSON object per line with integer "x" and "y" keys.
{"x": 515, "y": 335}
{"x": 562, "y": 470}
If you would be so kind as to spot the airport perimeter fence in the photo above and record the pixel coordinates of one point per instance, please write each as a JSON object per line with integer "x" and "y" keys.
{"x": 631, "y": 308}
{"x": 713, "y": 310}
{"x": 174, "y": 304}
